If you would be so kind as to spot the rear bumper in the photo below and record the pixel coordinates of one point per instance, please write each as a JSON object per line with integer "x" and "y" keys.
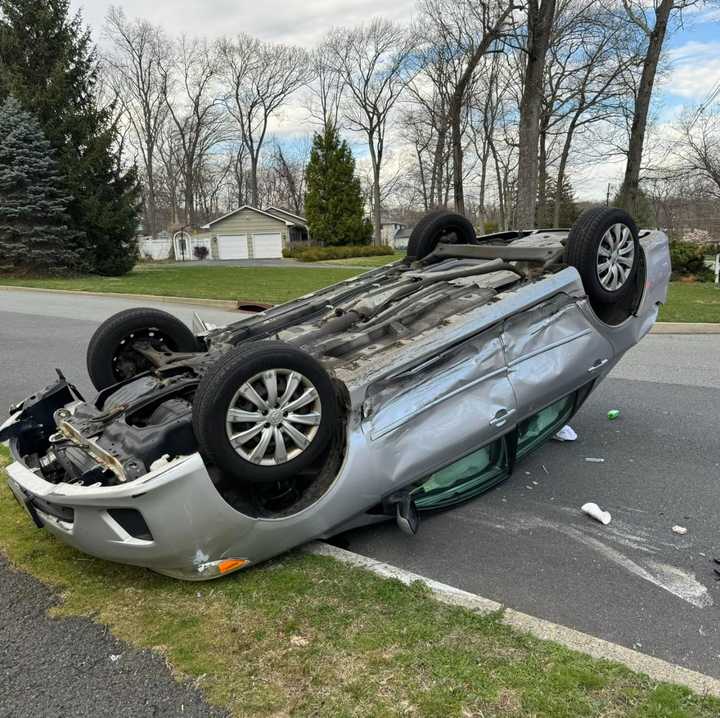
{"x": 189, "y": 525}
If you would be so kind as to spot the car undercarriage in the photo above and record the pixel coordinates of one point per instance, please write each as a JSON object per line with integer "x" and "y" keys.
{"x": 363, "y": 379}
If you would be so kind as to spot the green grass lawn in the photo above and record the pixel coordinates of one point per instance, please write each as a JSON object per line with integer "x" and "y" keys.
{"x": 686, "y": 302}
{"x": 379, "y": 261}
{"x": 307, "y": 636}
{"x": 699, "y": 302}
{"x": 272, "y": 285}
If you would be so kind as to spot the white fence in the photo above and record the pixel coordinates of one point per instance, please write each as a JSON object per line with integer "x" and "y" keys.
{"x": 160, "y": 248}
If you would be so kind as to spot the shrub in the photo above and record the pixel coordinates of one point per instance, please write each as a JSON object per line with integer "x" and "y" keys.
{"x": 316, "y": 253}
{"x": 201, "y": 252}
{"x": 688, "y": 260}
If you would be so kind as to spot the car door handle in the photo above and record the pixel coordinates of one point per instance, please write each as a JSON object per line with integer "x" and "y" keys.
{"x": 500, "y": 419}
{"x": 599, "y": 364}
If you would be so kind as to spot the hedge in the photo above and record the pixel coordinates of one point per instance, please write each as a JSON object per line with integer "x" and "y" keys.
{"x": 318, "y": 254}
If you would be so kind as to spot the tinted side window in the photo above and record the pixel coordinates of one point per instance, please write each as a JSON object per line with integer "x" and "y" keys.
{"x": 545, "y": 423}
{"x": 468, "y": 477}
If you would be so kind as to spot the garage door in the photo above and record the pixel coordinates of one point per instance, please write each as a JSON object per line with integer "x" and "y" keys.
{"x": 267, "y": 246}
{"x": 233, "y": 247}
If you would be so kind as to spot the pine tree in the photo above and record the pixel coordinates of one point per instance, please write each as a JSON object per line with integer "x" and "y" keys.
{"x": 48, "y": 62}
{"x": 569, "y": 210}
{"x": 643, "y": 213}
{"x": 34, "y": 231}
{"x": 334, "y": 204}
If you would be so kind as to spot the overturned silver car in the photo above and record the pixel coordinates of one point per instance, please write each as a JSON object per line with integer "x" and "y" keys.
{"x": 410, "y": 388}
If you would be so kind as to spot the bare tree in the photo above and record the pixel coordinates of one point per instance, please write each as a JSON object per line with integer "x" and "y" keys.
{"x": 189, "y": 85}
{"x": 698, "y": 151}
{"x": 540, "y": 14}
{"x": 288, "y": 165}
{"x": 138, "y": 51}
{"x": 652, "y": 21}
{"x": 463, "y": 32}
{"x": 261, "y": 76}
{"x": 328, "y": 86}
{"x": 375, "y": 60}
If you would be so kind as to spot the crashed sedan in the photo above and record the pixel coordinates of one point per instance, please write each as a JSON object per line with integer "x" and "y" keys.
{"x": 407, "y": 389}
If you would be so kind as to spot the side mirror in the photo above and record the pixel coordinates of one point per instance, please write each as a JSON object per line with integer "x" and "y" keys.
{"x": 407, "y": 516}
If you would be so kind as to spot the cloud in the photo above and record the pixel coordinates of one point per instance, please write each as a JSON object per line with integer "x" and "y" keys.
{"x": 293, "y": 21}
{"x": 694, "y": 70}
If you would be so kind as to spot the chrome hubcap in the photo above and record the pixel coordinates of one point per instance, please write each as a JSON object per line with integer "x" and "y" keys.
{"x": 615, "y": 257}
{"x": 274, "y": 417}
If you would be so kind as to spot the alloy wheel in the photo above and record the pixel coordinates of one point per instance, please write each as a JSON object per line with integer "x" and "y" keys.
{"x": 615, "y": 257}
{"x": 274, "y": 417}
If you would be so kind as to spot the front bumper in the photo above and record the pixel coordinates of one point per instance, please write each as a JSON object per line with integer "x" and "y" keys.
{"x": 190, "y": 525}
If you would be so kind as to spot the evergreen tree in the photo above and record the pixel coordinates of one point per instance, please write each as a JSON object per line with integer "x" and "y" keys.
{"x": 334, "y": 204}
{"x": 48, "y": 62}
{"x": 643, "y": 213}
{"x": 569, "y": 211}
{"x": 34, "y": 231}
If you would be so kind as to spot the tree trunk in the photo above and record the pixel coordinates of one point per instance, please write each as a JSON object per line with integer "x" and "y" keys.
{"x": 631, "y": 182}
{"x": 540, "y": 19}
{"x": 457, "y": 157}
{"x": 376, "y": 206}
{"x": 254, "y": 194}
{"x": 540, "y": 210}
{"x": 561, "y": 169}
{"x": 436, "y": 180}
{"x": 190, "y": 198}
{"x": 152, "y": 198}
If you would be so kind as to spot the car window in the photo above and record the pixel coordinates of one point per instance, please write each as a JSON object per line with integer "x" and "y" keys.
{"x": 537, "y": 428}
{"x": 465, "y": 478}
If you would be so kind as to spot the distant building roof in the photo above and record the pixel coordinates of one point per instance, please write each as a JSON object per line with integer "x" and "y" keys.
{"x": 286, "y": 215}
{"x": 287, "y": 221}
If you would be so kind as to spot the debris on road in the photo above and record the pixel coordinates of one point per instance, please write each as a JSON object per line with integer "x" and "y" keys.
{"x": 613, "y": 414}
{"x": 567, "y": 433}
{"x": 594, "y": 460}
{"x": 593, "y": 510}
{"x": 680, "y": 530}
{"x": 115, "y": 657}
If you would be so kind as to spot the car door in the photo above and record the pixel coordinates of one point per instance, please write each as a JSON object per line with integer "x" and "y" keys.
{"x": 443, "y": 407}
{"x": 551, "y": 350}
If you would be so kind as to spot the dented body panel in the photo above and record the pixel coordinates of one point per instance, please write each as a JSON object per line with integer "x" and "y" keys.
{"x": 416, "y": 402}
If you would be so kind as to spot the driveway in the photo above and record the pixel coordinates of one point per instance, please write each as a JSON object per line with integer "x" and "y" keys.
{"x": 526, "y": 544}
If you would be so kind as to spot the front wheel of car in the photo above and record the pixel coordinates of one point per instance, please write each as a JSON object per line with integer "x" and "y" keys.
{"x": 603, "y": 246}
{"x": 264, "y": 412}
{"x": 113, "y": 356}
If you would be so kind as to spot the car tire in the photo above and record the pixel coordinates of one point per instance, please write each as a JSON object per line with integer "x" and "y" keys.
{"x": 604, "y": 247}
{"x": 258, "y": 434}
{"x": 440, "y": 225}
{"x": 110, "y": 355}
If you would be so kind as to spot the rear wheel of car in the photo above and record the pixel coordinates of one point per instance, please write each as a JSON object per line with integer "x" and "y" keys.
{"x": 436, "y": 227}
{"x": 264, "y": 412}
{"x": 112, "y": 354}
{"x": 603, "y": 246}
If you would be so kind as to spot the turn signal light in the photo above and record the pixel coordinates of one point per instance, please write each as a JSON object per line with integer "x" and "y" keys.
{"x": 231, "y": 564}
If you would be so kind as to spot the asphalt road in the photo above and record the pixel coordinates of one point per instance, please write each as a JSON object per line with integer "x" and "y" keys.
{"x": 526, "y": 544}
{"x": 634, "y": 582}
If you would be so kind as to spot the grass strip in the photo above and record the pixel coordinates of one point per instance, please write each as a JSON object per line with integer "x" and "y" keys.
{"x": 305, "y": 635}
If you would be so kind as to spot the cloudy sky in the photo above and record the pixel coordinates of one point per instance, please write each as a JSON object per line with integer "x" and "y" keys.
{"x": 694, "y": 50}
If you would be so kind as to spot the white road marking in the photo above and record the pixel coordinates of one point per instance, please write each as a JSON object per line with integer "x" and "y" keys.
{"x": 674, "y": 580}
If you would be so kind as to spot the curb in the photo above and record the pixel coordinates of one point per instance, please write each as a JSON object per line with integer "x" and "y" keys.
{"x": 685, "y": 328}
{"x": 655, "y": 668}
{"x": 216, "y": 303}
{"x": 232, "y": 305}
